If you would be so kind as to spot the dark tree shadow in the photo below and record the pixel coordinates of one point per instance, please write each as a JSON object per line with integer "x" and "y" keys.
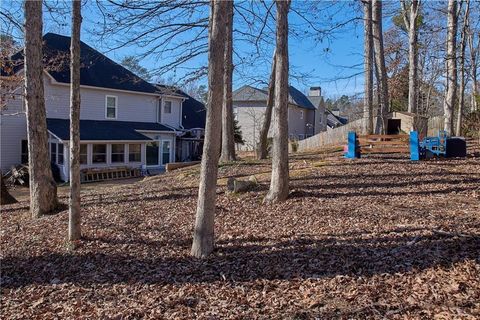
{"x": 375, "y": 160}
{"x": 243, "y": 260}
{"x": 136, "y": 198}
{"x": 385, "y": 184}
{"x": 383, "y": 177}
{"x": 322, "y": 194}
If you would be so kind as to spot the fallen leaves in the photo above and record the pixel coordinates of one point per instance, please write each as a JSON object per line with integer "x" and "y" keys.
{"x": 371, "y": 238}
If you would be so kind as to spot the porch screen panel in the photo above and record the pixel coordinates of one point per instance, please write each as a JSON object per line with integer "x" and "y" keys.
{"x": 53, "y": 152}
{"x": 99, "y": 153}
{"x": 83, "y": 154}
{"x": 135, "y": 152}
{"x": 118, "y": 153}
{"x": 60, "y": 153}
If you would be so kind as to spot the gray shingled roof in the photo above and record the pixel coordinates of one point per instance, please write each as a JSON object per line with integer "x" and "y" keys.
{"x": 104, "y": 130}
{"x": 96, "y": 70}
{"x": 194, "y": 113}
{"x": 249, "y": 93}
{"x": 334, "y": 121}
{"x": 301, "y": 100}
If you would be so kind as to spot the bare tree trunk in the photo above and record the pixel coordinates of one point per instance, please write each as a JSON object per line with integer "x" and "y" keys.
{"x": 410, "y": 16}
{"x": 279, "y": 182}
{"x": 463, "y": 45}
{"x": 43, "y": 190}
{"x": 74, "y": 222}
{"x": 228, "y": 141}
{"x": 473, "y": 61}
{"x": 380, "y": 62}
{"x": 451, "y": 66}
{"x": 427, "y": 102}
{"x": 5, "y": 196}
{"x": 368, "y": 66}
{"x": 267, "y": 118}
{"x": 203, "y": 235}
{"x": 377, "y": 98}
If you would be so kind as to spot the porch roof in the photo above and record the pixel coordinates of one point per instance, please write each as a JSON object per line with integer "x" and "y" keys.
{"x": 104, "y": 130}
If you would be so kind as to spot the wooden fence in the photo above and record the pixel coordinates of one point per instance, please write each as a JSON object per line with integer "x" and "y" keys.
{"x": 333, "y": 137}
{"x": 338, "y": 136}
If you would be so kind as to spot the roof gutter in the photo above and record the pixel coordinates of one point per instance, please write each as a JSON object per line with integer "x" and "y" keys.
{"x": 175, "y": 130}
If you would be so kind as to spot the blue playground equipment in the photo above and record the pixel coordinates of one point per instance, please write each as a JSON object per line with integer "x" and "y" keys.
{"x": 428, "y": 147}
{"x": 434, "y": 145}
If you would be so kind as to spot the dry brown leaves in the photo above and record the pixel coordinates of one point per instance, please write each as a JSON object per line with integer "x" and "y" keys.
{"x": 372, "y": 238}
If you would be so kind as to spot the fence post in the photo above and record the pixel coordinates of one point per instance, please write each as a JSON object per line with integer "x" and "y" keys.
{"x": 352, "y": 145}
{"x": 414, "y": 146}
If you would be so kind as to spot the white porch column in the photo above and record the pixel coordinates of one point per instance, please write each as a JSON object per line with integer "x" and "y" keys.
{"x": 66, "y": 161}
{"x": 143, "y": 153}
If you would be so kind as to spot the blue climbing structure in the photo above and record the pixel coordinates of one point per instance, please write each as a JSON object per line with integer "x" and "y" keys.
{"x": 352, "y": 146}
{"x": 435, "y": 145}
{"x": 428, "y": 147}
{"x": 414, "y": 146}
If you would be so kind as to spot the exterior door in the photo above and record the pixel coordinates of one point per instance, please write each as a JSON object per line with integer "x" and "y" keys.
{"x": 152, "y": 153}
{"x": 166, "y": 151}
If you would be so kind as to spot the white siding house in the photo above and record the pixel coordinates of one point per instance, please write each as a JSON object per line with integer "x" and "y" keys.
{"x": 124, "y": 121}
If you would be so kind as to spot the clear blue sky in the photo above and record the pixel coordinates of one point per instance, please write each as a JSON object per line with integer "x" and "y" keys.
{"x": 330, "y": 63}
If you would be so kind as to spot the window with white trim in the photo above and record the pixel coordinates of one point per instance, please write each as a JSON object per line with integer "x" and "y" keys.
{"x": 134, "y": 152}
{"x": 99, "y": 154}
{"x": 111, "y": 107}
{"x": 167, "y": 106}
{"x": 83, "y": 153}
{"x": 301, "y": 114}
{"x": 118, "y": 153}
{"x": 53, "y": 152}
{"x": 60, "y": 153}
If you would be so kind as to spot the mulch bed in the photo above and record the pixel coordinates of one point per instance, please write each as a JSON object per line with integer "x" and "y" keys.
{"x": 372, "y": 238}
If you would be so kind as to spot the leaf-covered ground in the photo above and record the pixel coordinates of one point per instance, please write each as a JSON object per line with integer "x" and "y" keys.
{"x": 370, "y": 238}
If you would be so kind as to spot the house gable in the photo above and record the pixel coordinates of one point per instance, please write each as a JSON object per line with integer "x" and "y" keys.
{"x": 249, "y": 93}
{"x": 96, "y": 70}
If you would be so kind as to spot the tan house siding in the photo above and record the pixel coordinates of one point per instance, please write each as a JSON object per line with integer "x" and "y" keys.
{"x": 250, "y": 118}
{"x": 249, "y": 115}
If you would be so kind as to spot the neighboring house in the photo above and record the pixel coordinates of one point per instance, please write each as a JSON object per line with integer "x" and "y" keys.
{"x": 324, "y": 118}
{"x": 125, "y": 121}
{"x": 334, "y": 120}
{"x": 249, "y": 105}
{"x": 315, "y": 97}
